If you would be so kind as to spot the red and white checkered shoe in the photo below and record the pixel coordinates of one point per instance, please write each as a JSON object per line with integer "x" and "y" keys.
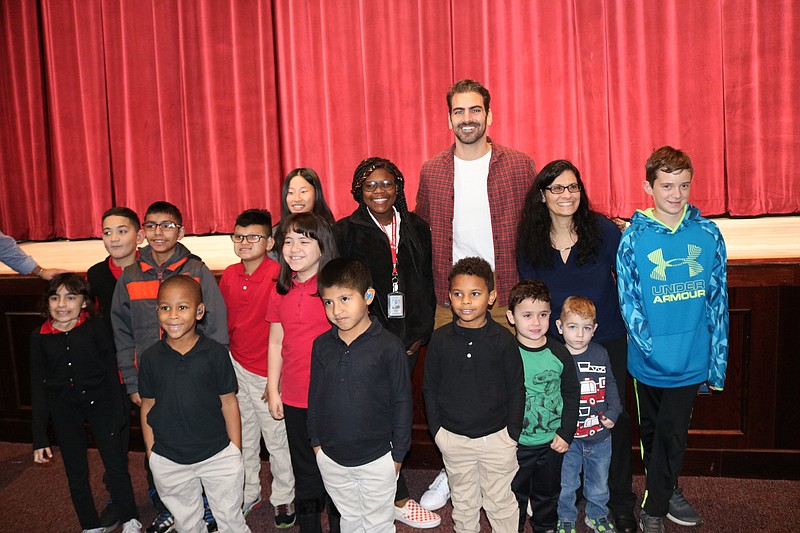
{"x": 412, "y": 514}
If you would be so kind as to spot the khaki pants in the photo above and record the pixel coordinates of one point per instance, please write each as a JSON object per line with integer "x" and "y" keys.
{"x": 258, "y": 423}
{"x": 181, "y": 489}
{"x": 480, "y": 472}
{"x": 444, "y": 315}
{"x": 364, "y": 495}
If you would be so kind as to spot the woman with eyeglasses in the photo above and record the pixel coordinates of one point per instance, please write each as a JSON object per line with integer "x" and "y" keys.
{"x": 395, "y": 244}
{"x": 572, "y": 248}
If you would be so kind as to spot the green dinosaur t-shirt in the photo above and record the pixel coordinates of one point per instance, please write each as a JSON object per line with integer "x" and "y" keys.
{"x": 543, "y": 402}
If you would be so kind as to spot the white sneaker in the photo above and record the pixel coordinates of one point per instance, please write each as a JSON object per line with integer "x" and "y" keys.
{"x": 132, "y": 526}
{"x": 437, "y": 494}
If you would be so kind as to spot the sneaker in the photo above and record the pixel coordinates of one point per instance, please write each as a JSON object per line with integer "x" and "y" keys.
{"x": 600, "y": 524}
{"x": 437, "y": 494}
{"x": 681, "y": 512}
{"x": 95, "y": 530}
{"x": 132, "y": 526}
{"x": 625, "y": 523}
{"x": 284, "y": 516}
{"x": 565, "y": 526}
{"x": 252, "y": 505}
{"x": 108, "y": 518}
{"x": 414, "y": 515}
{"x": 651, "y": 524}
{"x": 164, "y": 523}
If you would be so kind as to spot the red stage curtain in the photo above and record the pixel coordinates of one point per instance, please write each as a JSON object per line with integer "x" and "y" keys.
{"x": 208, "y": 104}
{"x": 25, "y": 193}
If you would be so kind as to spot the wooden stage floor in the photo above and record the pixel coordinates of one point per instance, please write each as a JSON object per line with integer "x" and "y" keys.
{"x": 764, "y": 239}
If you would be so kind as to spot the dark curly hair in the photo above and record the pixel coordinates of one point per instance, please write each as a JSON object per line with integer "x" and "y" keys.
{"x": 533, "y": 235}
{"x": 360, "y": 175}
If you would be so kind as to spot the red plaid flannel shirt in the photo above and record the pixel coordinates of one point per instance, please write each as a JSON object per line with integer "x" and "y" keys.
{"x": 511, "y": 174}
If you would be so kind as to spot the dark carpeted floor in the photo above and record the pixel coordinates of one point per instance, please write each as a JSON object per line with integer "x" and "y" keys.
{"x": 35, "y": 498}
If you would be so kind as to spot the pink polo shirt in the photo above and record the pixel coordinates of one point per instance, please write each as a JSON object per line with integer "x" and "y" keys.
{"x": 247, "y": 299}
{"x": 302, "y": 316}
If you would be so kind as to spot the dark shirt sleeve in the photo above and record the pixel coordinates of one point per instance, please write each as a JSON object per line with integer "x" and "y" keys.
{"x": 613, "y": 405}
{"x": 40, "y": 410}
{"x": 402, "y": 403}
{"x": 314, "y": 392}
{"x": 570, "y": 391}
{"x": 515, "y": 381}
{"x": 226, "y": 376}
{"x": 215, "y": 322}
{"x": 430, "y": 386}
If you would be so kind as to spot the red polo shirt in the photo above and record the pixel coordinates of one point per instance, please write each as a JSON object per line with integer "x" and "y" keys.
{"x": 247, "y": 299}
{"x": 302, "y": 316}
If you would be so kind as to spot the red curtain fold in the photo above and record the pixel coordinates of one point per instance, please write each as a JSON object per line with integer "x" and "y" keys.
{"x": 26, "y": 210}
{"x": 209, "y": 103}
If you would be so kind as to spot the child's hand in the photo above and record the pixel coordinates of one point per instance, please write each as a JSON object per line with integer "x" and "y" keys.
{"x": 42, "y": 455}
{"x": 316, "y": 449}
{"x": 275, "y": 407}
{"x": 135, "y": 398}
{"x": 559, "y": 445}
{"x": 607, "y": 423}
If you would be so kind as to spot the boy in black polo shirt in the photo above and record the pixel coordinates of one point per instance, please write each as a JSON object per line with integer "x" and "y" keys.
{"x": 359, "y": 401}
{"x": 190, "y": 416}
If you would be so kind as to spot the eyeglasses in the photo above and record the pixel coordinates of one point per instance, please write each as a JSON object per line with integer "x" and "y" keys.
{"x": 559, "y": 189}
{"x": 386, "y": 185}
{"x": 165, "y": 226}
{"x": 249, "y": 238}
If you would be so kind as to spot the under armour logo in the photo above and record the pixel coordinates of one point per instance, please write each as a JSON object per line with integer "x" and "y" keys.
{"x": 660, "y": 271}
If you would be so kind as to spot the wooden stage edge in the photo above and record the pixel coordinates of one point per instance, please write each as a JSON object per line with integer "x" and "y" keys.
{"x": 749, "y": 240}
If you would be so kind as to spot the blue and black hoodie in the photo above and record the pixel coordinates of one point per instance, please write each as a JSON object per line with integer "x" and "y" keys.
{"x": 673, "y": 295}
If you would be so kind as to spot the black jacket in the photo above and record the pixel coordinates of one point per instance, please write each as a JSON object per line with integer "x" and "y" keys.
{"x": 359, "y": 237}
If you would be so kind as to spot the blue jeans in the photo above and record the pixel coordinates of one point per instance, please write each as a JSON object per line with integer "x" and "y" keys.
{"x": 593, "y": 459}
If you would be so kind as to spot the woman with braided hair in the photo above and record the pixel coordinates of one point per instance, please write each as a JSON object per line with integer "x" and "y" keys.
{"x": 395, "y": 244}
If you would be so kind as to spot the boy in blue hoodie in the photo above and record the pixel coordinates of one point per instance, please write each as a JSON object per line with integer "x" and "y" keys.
{"x": 671, "y": 271}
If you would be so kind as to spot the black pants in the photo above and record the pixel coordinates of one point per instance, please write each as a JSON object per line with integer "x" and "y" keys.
{"x": 402, "y": 488}
{"x": 103, "y": 413}
{"x": 538, "y": 480}
{"x": 309, "y": 488}
{"x": 620, "y": 473}
{"x": 664, "y": 417}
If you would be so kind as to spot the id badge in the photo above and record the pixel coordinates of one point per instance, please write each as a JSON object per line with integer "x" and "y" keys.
{"x": 396, "y": 305}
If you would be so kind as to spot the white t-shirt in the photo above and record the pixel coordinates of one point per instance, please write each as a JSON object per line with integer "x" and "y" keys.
{"x": 472, "y": 221}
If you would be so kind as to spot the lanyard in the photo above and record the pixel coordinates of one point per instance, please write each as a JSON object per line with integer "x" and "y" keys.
{"x": 393, "y": 247}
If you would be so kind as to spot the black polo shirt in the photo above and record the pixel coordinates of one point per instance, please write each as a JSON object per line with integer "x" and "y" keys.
{"x": 187, "y": 417}
{"x": 359, "y": 398}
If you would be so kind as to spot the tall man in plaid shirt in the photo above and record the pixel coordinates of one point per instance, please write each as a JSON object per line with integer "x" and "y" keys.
{"x": 472, "y": 196}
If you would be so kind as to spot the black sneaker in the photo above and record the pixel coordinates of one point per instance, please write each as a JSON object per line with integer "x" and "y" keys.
{"x": 108, "y": 518}
{"x": 681, "y": 512}
{"x": 284, "y": 516}
{"x": 651, "y": 524}
{"x": 164, "y": 523}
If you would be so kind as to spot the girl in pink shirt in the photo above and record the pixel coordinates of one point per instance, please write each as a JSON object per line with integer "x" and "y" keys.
{"x": 296, "y": 318}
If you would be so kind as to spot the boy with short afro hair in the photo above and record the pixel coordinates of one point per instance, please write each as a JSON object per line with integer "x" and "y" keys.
{"x": 590, "y": 452}
{"x": 551, "y": 406}
{"x": 190, "y": 416}
{"x": 474, "y": 399}
{"x": 359, "y": 401}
